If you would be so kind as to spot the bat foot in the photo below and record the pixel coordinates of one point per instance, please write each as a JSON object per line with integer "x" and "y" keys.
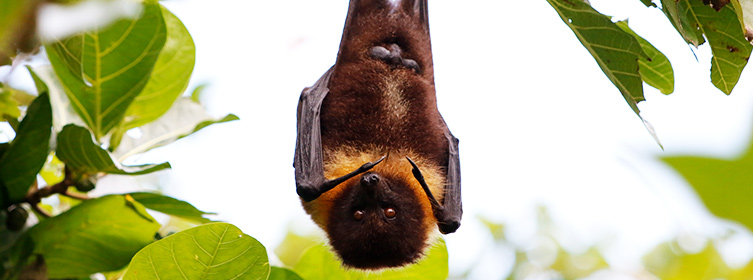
{"x": 393, "y": 56}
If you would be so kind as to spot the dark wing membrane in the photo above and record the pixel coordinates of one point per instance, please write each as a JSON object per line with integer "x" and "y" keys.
{"x": 308, "y": 160}
{"x": 452, "y": 204}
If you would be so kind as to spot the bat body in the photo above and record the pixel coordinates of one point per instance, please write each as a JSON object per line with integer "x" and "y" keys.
{"x": 376, "y": 166}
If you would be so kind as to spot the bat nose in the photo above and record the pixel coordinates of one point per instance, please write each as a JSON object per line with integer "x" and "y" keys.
{"x": 369, "y": 179}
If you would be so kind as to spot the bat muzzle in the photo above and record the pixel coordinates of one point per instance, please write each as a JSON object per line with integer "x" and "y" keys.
{"x": 370, "y": 180}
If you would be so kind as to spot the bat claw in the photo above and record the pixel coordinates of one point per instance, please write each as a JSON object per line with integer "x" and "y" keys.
{"x": 309, "y": 192}
{"x": 369, "y": 165}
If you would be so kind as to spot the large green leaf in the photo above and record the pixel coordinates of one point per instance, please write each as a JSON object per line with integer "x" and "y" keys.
{"x": 724, "y": 185}
{"x": 318, "y": 262}
{"x": 655, "y": 69}
{"x": 724, "y": 31}
{"x": 616, "y": 51}
{"x": 103, "y": 71}
{"x": 169, "y": 77}
{"x": 77, "y": 149}
{"x": 170, "y": 206}
{"x": 98, "y": 235}
{"x": 27, "y": 153}
{"x": 211, "y": 251}
{"x": 183, "y": 119}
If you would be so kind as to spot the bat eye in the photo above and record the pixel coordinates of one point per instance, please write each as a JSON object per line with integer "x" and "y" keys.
{"x": 390, "y": 213}
{"x": 358, "y": 215}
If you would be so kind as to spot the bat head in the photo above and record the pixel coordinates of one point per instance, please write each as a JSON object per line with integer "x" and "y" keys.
{"x": 379, "y": 222}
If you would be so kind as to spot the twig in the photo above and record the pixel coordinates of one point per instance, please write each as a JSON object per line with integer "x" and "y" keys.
{"x": 76, "y": 195}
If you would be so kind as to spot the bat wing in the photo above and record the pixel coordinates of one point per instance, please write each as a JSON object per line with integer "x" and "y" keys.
{"x": 308, "y": 160}
{"x": 449, "y": 220}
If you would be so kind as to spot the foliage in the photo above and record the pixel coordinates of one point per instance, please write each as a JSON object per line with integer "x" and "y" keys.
{"x": 97, "y": 235}
{"x": 129, "y": 74}
{"x": 546, "y": 258}
{"x": 627, "y": 59}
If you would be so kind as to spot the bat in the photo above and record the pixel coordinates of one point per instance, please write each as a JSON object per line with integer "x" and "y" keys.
{"x": 375, "y": 165}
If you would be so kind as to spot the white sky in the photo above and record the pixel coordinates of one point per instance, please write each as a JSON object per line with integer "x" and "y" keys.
{"x": 538, "y": 121}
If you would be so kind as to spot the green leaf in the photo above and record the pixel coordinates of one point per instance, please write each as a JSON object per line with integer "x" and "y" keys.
{"x": 725, "y": 34}
{"x": 676, "y": 12}
{"x": 648, "y": 3}
{"x": 103, "y": 71}
{"x": 77, "y": 149}
{"x": 318, "y": 262}
{"x": 279, "y": 273}
{"x": 724, "y": 185}
{"x": 211, "y": 251}
{"x": 655, "y": 69}
{"x": 183, "y": 119}
{"x": 27, "y": 153}
{"x": 169, "y": 77}
{"x": 616, "y": 51}
{"x": 170, "y": 206}
{"x": 98, "y": 235}
{"x": 8, "y": 106}
{"x": 197, "y": 92}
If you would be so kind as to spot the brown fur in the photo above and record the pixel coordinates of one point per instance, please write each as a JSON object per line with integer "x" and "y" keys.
{"x": 357, "y": 112}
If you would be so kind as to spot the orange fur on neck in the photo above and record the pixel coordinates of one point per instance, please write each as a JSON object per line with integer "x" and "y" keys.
{"x": 346, "y": 159}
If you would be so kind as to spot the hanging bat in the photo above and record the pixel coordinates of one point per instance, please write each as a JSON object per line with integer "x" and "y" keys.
{"x": 375, "y": 165}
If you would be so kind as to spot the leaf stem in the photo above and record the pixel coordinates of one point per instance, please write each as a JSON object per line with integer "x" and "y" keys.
{"x": 76, "y": 195}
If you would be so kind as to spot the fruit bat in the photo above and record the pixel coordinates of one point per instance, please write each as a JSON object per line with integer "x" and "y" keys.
{"x": 375, "y": 165}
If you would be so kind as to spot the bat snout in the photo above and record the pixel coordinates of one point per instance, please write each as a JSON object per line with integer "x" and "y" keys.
{"x": 370, "y": 180}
